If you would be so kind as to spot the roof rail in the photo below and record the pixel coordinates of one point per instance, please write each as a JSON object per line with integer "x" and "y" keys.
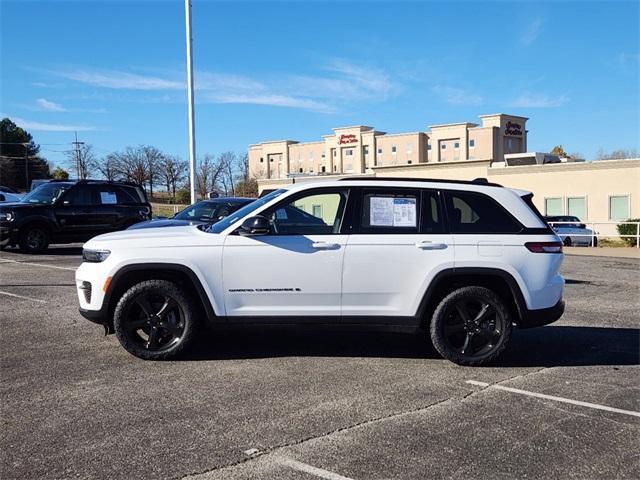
{"x": 477, "y": 181}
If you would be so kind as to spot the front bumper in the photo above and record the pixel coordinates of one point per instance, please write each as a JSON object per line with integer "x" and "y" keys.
{"x": 544, "y": 316}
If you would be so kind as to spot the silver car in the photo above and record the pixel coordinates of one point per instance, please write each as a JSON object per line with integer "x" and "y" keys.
{"x": 572, "y": 231}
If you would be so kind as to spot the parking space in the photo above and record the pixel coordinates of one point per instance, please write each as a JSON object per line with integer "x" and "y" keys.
{"x": 300, "y": 406}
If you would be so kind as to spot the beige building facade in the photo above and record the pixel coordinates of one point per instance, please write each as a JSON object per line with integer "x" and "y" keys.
{"x": 359, "y": 149}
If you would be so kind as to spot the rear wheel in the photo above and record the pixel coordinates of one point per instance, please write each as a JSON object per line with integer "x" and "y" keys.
{"x": 567, "y": 242}
{"x": 471, "y": 326}
{"x": 155, "y": 320}
{"x": 34, "y": 239}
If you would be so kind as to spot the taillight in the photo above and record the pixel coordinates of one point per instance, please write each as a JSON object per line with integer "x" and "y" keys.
{"x": 544, "y": 247}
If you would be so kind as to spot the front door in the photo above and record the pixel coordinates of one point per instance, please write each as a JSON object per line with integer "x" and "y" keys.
{"x": 398, "y": 244}
{"x": 294, "y": 270}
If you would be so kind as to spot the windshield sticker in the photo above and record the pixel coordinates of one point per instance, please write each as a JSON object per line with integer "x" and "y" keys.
{"x": 108, "y": 198}
{"x": 381, "y": 212}
{"x": 404, "y": 212}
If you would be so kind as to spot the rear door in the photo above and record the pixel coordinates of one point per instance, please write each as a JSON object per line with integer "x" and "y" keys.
{"x": 397, "y": 245}
{"x": 76, "y": 213}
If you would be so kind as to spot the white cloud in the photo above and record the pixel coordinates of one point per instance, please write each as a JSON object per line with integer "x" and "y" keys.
{"x": 531, "y": 31}
{"x": 457, "y": 96}
{"x": 44, "y": 104}
{"x": 50, "y": 127}
{"x": 120, "y": 80}
{"x": 344, "y": 82}
{"x": 538, "y": 100}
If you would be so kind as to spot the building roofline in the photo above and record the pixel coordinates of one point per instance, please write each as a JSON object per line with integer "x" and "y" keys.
{"x": 400, "y": 134}
{"x": 441, "y": 125}
{"x": 272, "y": 141}
{"x": 352, "y": 126}
{"x": 503, "y": 115}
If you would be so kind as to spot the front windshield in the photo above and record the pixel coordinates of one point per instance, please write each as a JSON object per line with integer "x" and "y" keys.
{"x": 243, "y": 212}
{"x": 208, "y": 211}
{"x": 46, "y": 194}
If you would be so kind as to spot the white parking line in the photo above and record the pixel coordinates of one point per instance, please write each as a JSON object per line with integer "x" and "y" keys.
{"x": 310, "y": 469}
{"x": 555, "y": 399}
{"x": 40, "y": 265}
{"x": 22, "y": 296}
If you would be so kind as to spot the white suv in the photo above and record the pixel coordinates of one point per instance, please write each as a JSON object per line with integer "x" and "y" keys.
{"x": 464, "y": 261}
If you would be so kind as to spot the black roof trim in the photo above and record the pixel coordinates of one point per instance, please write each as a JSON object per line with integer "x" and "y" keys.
{"x": 97, "y": 182}
{"x": 477, "y": 181}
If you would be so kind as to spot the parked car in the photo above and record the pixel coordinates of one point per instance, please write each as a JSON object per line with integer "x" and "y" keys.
{"x": 6, "y": 197}
{"x": 574, "y": 233}
{"x": 461, "y": 262}
{"x": 203, "y": 212}
{"x": 5, "y": 189}
{"x": 66, "y": 212}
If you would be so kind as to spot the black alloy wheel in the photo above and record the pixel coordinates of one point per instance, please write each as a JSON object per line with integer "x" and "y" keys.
{"x": 471, "y": 326}
{"x": 154, "y": 320}
{"x": 34, "y": 239}
{"x": 567, "y": 242}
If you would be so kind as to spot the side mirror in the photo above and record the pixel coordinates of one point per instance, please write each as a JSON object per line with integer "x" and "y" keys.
{"x": 257, "y": 225}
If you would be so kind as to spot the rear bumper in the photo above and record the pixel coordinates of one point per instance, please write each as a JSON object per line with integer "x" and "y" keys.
{"x": 544, "y": 316}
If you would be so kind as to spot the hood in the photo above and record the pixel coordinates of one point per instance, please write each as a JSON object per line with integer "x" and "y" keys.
{"x": 164, "y": 222}
{"x": 148, "y": 238}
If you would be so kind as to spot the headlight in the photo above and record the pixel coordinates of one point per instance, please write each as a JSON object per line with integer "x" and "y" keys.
{"x": 95, "y": 256}
{"x": 7, "y": 217}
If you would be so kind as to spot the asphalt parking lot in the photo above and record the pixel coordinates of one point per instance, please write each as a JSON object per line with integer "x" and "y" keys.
{"x": 563, "y": 402}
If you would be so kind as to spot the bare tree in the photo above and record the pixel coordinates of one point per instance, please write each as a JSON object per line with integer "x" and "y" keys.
{"x": 209, "y": 174}
{"x": 82, "y": 160}
{"x": 152, "y": 157}
{"x": 228, "y": 164}
{"x": 243, "y": 167}
{"x": 132, "y": 165}
{"x": 172, "y": 170}
{"x": 108, "y": 166}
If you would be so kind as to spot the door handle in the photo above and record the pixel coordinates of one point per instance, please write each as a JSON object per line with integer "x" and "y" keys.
{"x": 431, "y": 246}
{"x": 325, "y": 246}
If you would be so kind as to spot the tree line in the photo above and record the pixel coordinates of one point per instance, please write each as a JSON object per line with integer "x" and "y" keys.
{"x": 226, "y": 174}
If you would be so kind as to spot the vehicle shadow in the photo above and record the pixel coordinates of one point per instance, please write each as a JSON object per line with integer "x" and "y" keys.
{"x": 51, "y": 251}
{"x": 550, "y": 346}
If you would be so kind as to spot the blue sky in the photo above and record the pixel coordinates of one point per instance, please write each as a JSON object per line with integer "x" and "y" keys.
{"x": 115, "y": 71}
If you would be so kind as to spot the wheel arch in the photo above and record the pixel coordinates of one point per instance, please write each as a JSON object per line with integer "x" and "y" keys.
{"x": 131, "y": 274}
{"x": 500, "y": 281}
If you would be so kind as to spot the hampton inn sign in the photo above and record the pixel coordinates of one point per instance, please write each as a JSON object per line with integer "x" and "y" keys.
{"x": 351, "y": 138}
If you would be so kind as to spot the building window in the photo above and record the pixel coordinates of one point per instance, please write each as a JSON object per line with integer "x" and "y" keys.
{"x": 577, "y": 207}
{"x": 335, "y": 168}
{"x": 261, "y": 160}
{"x": 379, "y": 151}
{"x": 619, "y": 207}
{"x": 553, "y": 206}
{"x": 324, "y": 169}
{"x": 472, "y": 143}
{"x": 409, "y": 162}
{"x": 393, "y": 149}
{"x": 428, "y": 146}
{"x": 349, "y": 152}
{"x": 443, "y": 146}
{"x": 323, "y": 155}
{"x": 271, "y": 159}
{"x": 333, "y": 152}
{"x": 317, "y": 211}
{"x": 301, "y": 170}
{"x": 456, "y": 145}
{"x": 366, "y": 150}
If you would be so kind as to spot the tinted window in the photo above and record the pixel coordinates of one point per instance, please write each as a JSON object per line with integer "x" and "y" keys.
{"x": 46, "y": 193}
{"x": 79, "y": 195}
{"x": 471, "y": 212}
{"x": 209, "y": 211}
{"x": 116, "y": 195}
{"x": 432, "y": 221}
{"x": 313, "y": 214}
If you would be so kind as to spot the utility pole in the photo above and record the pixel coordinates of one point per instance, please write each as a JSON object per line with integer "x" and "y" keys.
{"x": 77, "y": 144}
{"x": 192, "y": 131}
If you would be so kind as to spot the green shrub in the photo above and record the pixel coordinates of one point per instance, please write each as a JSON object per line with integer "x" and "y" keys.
{"x": 629, "y": 229}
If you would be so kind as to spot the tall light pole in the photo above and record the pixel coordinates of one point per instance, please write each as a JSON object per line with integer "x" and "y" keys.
{"x": 192, "y": 127}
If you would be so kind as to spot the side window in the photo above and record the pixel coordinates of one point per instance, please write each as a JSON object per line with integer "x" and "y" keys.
{"x": 472, "y": 212}
{"x": 432, "y": 221}
{"x": 313, "y": 214}
{"x": 390, "y": 211}
{"x": 80, "y": 195}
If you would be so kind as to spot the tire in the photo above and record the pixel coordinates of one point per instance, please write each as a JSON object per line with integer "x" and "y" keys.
{"x": 567, "y": 242}
{"x": 34, "y": 238}
{"x": 155, "y": 320}
{"x": 479, "y": 339}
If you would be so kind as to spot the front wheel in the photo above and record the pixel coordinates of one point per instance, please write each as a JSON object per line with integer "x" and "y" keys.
{"x": 34, "y": 239}
{"x": 471, "y": 326}
{"x": 155, "y": 320}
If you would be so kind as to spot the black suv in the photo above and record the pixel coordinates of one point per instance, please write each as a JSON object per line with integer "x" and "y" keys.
{"x": 71, "y": 211}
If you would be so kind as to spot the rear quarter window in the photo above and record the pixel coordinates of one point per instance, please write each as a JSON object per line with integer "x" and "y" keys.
{"x": 473, "y": 212}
